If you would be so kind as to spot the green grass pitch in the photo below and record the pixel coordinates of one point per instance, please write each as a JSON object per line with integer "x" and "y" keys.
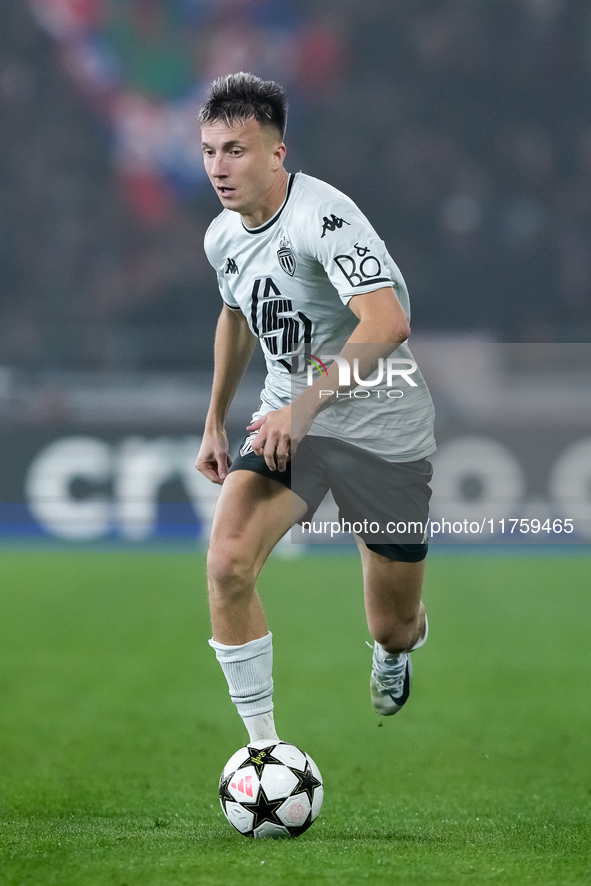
{"x": 115, "y": 724}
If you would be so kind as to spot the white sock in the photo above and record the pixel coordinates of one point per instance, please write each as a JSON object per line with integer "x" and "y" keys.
{"x": 248, "y": 671}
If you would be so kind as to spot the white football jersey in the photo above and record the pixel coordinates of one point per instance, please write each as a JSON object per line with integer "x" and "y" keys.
{"x": 292, "y": 278}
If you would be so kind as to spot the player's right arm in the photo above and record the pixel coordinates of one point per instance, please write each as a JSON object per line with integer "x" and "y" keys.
{"x": 234, "y": 344}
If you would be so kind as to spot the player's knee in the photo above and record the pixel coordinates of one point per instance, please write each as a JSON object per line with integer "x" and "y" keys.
{"x": 394, "y": 646}
{"x": 397, "y": 638}
{"x": 230, "y": 570}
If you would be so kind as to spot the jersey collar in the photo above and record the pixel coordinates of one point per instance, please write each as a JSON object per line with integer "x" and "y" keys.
{"x": 274, "y": 218}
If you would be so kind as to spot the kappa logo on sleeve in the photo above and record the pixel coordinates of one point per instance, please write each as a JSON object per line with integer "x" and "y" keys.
{"x": 331, "y": 224}
{"x": 361, "y": 269}
{"x": 231, "y": 267}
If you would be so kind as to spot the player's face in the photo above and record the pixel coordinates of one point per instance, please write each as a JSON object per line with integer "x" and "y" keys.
{"x": 244, "y": 163}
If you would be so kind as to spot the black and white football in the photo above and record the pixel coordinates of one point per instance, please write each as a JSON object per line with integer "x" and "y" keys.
{"x": 271, "y": 789}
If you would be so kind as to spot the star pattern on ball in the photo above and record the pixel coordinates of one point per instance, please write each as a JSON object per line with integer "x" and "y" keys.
{"x": 307, "y": 782}
{"x": 225, "y": 794}
{"x": 254, "y": 812}
{"x": 258, "y": 758}
{"x": 265, "y": 810}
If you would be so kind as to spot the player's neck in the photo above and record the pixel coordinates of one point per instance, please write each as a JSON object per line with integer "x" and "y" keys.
{"x": 271, "y": 202}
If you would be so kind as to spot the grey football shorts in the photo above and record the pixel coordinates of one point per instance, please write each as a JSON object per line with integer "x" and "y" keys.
{"x": 389, "y": 501}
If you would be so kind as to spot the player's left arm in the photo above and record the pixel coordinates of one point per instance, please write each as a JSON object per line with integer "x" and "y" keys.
{"x": 383, "y": 325}
{"x": 381, "y": 319}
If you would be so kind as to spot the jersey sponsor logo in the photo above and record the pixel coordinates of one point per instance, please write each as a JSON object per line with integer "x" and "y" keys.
{"x": 231, "y": 266}
{"x": 361, "y": 269}
{"x": 286, "y": 257}
{"x": 281, "y": 329}
{"x": 331, "y": 224}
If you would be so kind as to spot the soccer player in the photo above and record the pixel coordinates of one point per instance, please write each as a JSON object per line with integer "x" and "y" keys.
{"x": 298, "y": 263}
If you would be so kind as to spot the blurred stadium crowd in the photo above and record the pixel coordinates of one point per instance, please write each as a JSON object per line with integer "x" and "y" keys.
{"x": 461, "y": 127}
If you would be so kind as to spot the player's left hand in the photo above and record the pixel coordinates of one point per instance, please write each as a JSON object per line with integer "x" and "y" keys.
{"x": 279, "y": 433}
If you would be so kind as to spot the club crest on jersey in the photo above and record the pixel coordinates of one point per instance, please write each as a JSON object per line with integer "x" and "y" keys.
{"x": 286, "y": 257}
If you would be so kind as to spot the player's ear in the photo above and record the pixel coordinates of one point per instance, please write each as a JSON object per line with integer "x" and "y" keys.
{"x": 279, "y": 153}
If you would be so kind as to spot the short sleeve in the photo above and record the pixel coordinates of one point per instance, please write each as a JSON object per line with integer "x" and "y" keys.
{"x": 210, "y": 245}
{"x": 227, "y": 296}
{"x": 348, "y": 248}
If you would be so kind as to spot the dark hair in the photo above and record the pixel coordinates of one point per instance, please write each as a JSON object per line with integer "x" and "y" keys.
{"x": 236, "y": 97}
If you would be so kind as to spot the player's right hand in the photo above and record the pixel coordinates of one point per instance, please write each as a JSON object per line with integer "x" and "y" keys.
{"x": 213, "y": 460}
